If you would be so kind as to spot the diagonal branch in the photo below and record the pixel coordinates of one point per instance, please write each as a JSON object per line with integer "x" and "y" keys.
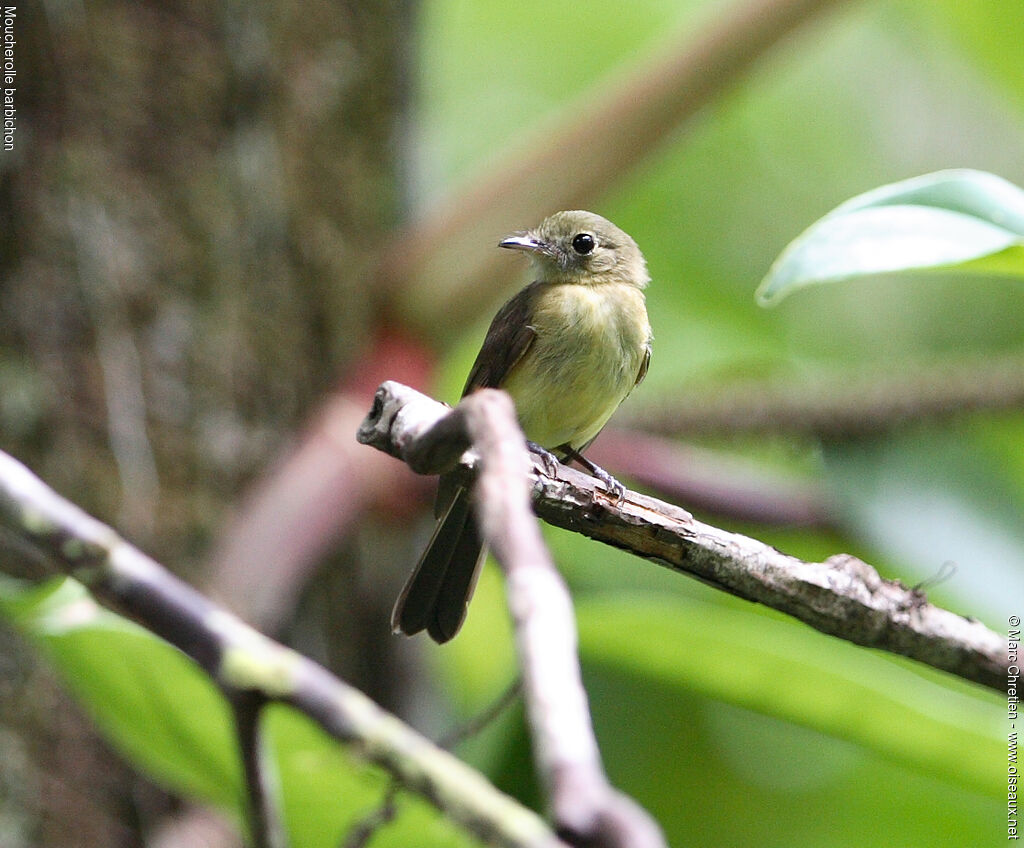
{"x": 567, "y": 163}
{"x": 586, "y": 809}
{"x": 842, "y": 596}
{"x": 244, "y": 663}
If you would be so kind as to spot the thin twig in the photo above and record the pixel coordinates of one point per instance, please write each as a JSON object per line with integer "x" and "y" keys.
{"x": 265, "y": 824}
{"x": 384, "y": 813}
{"x": 842, "y": 596}
{"x": 242, "y": 660}
{"x": 470, "y": 728}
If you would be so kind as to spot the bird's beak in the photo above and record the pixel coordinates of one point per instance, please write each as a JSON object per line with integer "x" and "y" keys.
{"x": 524, "y": 241}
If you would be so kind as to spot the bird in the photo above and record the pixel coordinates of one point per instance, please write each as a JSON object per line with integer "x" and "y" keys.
{"x": 568, "y": 349}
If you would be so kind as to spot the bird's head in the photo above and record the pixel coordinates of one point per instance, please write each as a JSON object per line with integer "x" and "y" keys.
{"x": 583, "y": 248}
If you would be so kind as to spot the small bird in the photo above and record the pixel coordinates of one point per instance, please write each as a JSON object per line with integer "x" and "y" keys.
{"x": 568, "y": 348}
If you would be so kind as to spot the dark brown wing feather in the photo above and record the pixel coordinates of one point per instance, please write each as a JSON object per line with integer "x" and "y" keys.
{"x": 507, "y": 340}
{"x": 643, "y": 366}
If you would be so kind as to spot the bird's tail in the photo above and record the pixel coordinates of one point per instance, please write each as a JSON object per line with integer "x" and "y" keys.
{"x": 437, "y": 593}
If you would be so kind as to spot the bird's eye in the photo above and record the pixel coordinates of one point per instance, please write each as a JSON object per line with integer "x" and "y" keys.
{"x": 583, "y": 243}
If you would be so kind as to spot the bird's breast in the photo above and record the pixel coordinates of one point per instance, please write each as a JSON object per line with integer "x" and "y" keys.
{"x": 590, "y": 342}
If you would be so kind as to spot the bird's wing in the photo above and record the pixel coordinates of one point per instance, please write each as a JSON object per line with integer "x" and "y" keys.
{"x": 644, "y": 364}
{"x": 507, "y": 340}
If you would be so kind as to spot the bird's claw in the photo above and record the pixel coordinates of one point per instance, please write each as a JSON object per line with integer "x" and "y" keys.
{"x": 547, "y": 459}
{"x": 616, "y": 491}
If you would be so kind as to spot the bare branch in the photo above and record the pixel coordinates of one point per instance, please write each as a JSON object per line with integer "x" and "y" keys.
{"x": 842, "y": 596}
{"x": 364, "y": 829}
{"x": 489, "y": 714}
{"x": 241, "y": 660}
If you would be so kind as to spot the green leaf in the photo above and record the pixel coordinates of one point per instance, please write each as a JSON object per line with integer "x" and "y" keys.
{"x": 958, "y": 220}
{"x": 322, "y": 791}
{"x": 326, "y": 791}
{"x": 156, "y": 705}
{"x": 163, "y": 712}
{"x": 953, "y": 732}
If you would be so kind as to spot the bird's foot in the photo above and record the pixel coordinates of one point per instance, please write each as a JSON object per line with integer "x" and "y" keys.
{"x": 547, "y": 459}
{"x": 612, "y": 486}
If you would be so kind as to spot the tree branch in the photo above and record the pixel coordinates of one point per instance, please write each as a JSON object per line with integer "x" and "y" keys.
{"x": 584, "y": 805}
{"x": 842, "y": 596}
{"x": 243, "y": 661}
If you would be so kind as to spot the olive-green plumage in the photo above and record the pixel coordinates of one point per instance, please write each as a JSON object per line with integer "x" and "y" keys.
{"x": 568, "y": 348}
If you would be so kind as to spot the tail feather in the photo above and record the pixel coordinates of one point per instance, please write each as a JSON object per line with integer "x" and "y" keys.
{"x": 457, "y": 585}
{"x": 437, "y": 593}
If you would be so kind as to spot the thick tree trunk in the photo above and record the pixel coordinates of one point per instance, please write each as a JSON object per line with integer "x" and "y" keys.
{"x": 194, "y": 191}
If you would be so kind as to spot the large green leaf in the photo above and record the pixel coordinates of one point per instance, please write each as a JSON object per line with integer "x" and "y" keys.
{"x": 163, "y": 712}
{"x": 717, "y": 775}
{"x": 325, "y": 791}
{"x": 788, "y": 671}
{"x": 958, "y": 220}
{"x": 149, "y": 699}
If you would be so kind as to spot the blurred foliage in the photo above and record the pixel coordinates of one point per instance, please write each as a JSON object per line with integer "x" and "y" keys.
{"x": 731, "y": 724}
